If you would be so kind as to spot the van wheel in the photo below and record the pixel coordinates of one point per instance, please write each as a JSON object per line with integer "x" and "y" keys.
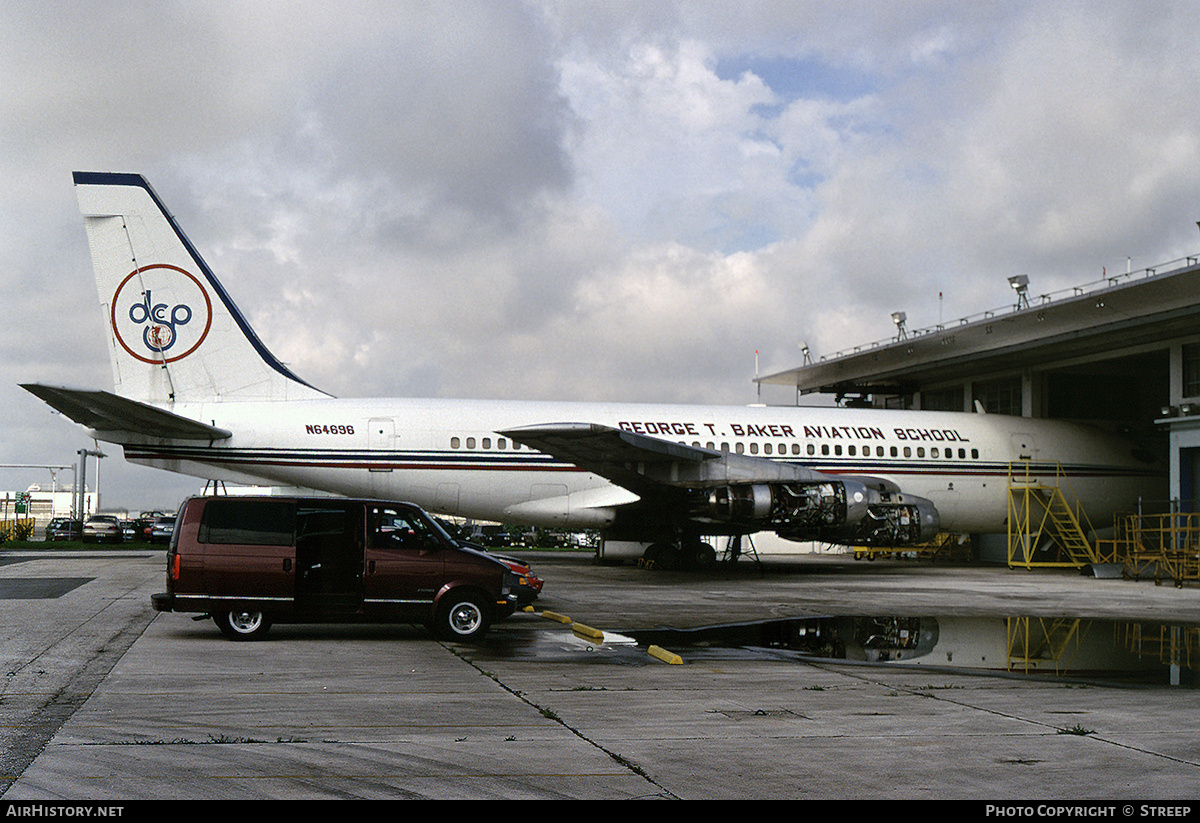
{"x": 241, "y": 625}
{"x": 461, "y": 617}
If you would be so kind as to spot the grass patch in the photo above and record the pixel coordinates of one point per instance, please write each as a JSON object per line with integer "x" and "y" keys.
{"x": 74, "y": 545}
{"x": 1077, "y": 729}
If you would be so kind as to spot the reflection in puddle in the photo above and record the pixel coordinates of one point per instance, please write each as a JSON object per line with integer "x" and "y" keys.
{"x": 1055, "y": 646}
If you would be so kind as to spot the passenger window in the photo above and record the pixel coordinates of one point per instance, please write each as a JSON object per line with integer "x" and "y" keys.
{"x": 470, "y": 442}
{"x": 501, "y": 444}
{"x": 455, "y": 443}
{"x": 974, "y": 454}
{"x": 768, "y": 448}
{"x": 852, "y": 451}
{"x": 487, "y": 442}
{"x": 248, "y": 522}
{"x": 754, "y": 448}
{"x": 812, "y": 449}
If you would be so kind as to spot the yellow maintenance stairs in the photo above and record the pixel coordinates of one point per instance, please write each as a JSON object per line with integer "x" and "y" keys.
{"x": 1055, "y": 645}
{"x": 1044, "y": 528}
{"x": 1164, "y": 546}
{"x": 1043, "y": 644}
{"x": 1173, "y": 645}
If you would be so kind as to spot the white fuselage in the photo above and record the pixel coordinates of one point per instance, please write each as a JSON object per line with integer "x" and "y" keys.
{"x": 446, "y": 455}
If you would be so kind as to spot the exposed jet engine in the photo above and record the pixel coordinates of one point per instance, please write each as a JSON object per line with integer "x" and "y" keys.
{"x": 833, "y": 511}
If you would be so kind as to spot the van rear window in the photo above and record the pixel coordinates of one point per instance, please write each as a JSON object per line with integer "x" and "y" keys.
{"x": 252, "y": 522}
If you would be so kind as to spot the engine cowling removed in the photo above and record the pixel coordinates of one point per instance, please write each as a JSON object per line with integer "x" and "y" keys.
{"x": 832, "y": 511}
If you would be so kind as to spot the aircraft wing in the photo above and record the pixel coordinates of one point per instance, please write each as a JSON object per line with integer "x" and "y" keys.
{"x": 746, "y": 493}
{"x": 103, "y": 411}
{"x": 645, "y": 464}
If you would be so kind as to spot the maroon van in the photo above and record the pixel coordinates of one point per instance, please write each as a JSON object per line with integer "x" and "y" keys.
{"x": 249, "y": 562}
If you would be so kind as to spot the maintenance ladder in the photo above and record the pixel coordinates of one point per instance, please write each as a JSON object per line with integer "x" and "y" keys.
{"x": 1162, "y": 545}
{"x": 1037, "y": 511}
{"x": 1041, "y": 644}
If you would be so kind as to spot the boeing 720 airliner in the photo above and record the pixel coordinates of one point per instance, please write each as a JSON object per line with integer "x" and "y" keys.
{"x": 197, "y": 392}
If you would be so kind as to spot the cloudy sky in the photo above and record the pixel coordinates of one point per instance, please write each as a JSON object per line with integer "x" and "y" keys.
{"x": 569, "y": 200}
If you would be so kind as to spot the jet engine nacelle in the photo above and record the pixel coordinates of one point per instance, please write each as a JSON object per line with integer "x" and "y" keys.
{"x": 832, "y": 511}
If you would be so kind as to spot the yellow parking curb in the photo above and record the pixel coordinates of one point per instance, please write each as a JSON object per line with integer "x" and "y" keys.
{"x": 587, "y": 631}
{"x": 552, "y": 616}
{"x": 664, "y": 655}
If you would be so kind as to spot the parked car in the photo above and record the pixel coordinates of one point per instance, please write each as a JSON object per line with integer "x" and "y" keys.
{"x": 491, "y": 536}
{"x": 162, "y": 530}
{"x": 249, "y": 562}
{"x": 102, "y": 528}
{"x": 142, "y": 527}
{"x": 63, "y": 528}
{"x": 527, "y": 585}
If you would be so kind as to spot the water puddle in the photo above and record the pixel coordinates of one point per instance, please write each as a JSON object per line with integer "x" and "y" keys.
{"x": 1029, "y": 645}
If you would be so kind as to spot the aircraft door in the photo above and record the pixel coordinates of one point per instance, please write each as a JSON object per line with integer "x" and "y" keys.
{"x": 556, "y": 501}
{"x": 381, "y": 440}
{"x": 1024, "y": 446}
{"x": 448, "y": 498}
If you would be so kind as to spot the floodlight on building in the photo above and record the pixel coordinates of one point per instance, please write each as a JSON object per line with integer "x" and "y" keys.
{"x": 1020, "y": 284}
{"x": 900, "y": 318}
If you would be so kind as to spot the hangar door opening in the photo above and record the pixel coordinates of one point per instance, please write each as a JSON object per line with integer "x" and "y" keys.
{"x": 1124, "y": 391}
{"x": 1189, "y": 481}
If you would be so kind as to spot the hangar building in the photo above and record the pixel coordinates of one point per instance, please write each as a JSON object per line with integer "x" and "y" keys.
{"x": 1122, "y": 352}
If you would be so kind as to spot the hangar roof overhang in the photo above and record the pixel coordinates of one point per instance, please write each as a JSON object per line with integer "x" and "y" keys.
{"x": 1111, "y": 315}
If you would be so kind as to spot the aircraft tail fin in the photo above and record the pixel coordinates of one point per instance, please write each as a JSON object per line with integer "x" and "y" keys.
{"x": 174, "y": 334}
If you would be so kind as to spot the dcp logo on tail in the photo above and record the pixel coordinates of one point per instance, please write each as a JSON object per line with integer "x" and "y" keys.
{"x": 160, "y": 313}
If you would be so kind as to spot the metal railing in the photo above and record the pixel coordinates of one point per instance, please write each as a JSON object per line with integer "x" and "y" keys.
{"x": 1106, "y": 283}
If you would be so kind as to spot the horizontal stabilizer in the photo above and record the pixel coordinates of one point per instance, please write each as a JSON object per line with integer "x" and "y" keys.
{"x": 103, "y": 411}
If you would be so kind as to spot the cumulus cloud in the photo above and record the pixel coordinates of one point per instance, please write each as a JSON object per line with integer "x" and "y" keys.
{"x": 564, "y": 200}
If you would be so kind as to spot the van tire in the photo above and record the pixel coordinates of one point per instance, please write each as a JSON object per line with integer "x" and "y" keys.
{"x": 461, "y": 617}
{"x": 242, "y": 625}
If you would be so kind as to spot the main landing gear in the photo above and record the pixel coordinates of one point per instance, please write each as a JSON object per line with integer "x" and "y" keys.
{"x": 684, "y": 554}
